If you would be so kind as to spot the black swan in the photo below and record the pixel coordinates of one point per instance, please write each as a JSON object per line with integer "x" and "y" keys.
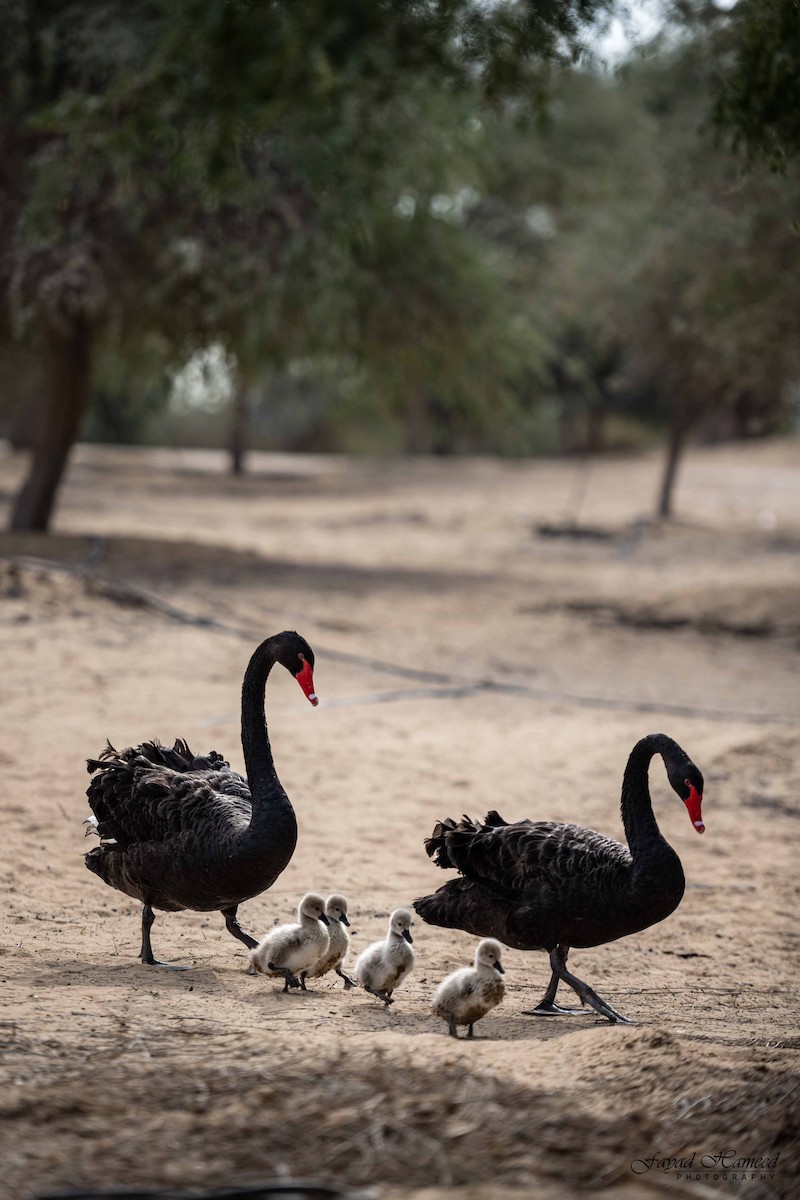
{"x": 179, "y": 831}
{"x": 538, "y": 885}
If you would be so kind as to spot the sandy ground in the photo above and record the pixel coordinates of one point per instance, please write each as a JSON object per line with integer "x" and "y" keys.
{"x": 464, "y": 663}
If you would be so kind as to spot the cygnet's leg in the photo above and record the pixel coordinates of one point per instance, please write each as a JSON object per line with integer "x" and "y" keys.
{"x": 384, "y": 996}
{"x": 303, "y": 987}
{"x": 471, "y": 1031}
{"x": 586, "y": 994}
{"x": 348, "y": 982}
{"x": 146, "y": 955}
{"x": 233, "y": 926}
{"x": 547, "y": 1006}
{"x": 289, "y": 979}
{"x": 451, "y": 1027}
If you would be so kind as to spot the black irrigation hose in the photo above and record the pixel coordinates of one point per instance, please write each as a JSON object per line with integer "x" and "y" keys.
{"x": 300, "y": 1189}
{"x": 440, "y": 684}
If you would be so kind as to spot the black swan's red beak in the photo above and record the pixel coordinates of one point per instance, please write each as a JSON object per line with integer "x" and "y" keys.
{"x": 306, "y": 680}
{"x": 694, "y": 806}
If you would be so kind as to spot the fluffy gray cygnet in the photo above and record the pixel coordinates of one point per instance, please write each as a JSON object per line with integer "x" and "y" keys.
{"x": 292, "y": 949}
{"x": 383, "y": 966}
{"x": 469, "y": 994}
{"x": 339, "y": 943}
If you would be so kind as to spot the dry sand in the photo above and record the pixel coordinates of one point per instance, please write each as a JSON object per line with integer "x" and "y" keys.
{"x": 464, "y": 663}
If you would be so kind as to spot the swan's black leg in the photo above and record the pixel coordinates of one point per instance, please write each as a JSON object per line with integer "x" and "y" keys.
{"x": 233, "y": 926}
{"x": 585, "y": 994}
{"x": 547, "y": 1006}
{"x": 348, "y": 982}
{"x": 451, "y": 1027}
{"x": 146, "y": 955}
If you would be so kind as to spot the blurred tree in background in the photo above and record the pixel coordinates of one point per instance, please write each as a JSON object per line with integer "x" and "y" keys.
{"x": 758, "y": 100}
{"x": 655, "y": 271}
{"x": 380, "y": 224}
{"x": 223, "y": 170}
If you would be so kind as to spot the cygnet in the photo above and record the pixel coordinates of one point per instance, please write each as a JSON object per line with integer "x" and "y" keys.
{"x": 383, "y": 966}
{"x": 332, "y": 958}
{"x": 290, "y": 949}
{"x": 469, "y": 994}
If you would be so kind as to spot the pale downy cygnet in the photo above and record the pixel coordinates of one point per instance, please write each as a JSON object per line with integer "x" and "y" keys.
{"x": 332, "y": 958}
{"x": 469, "y": 994}
{"x": 290, "y": 949}
{"x": 384, "y": 965}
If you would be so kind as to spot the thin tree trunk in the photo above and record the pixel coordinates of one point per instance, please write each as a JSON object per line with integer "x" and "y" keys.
{"x": 21, "y": 380}
{"x": 675, "y": 446}
{"x": 62, "y": 403}
{"x": 596, "y": 429}
{"x": 418, "y": 439}
{"x": 239, "y": 430}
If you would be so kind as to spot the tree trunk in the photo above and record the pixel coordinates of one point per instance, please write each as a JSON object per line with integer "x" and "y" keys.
{"x": 675, "y": 446}
{"x": 240, "y": 427}
{"x": 62, "y": 403}
{"x": 21, "y": 381}
{"x": 418, "y": 439}
{"x": 596, "y": 429}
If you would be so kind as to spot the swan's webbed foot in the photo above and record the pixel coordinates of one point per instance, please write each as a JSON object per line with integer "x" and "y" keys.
{"x": 153, "y": 962}
{"x": 604, "y": 1008}
{"x": 547, "y": 1008}
{"x": 348, "y": 982}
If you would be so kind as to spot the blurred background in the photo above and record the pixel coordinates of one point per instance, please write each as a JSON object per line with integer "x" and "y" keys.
{"x": 447, "y": 228}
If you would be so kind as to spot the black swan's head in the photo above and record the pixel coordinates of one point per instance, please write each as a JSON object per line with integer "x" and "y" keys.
{"x": 294, "y": 653}
{"x": 687, "y": 781}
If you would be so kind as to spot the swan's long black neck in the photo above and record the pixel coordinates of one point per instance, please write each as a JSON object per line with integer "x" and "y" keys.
{"x": 641, "y": 828}
{"x": 271, "y": 806}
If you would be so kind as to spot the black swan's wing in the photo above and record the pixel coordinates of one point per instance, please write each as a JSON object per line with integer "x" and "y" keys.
{"x": 525, "y": 856}
{"x": 462, "y": 904}
{"x": 532, "y": 884}
{"x": 151, "y": 793}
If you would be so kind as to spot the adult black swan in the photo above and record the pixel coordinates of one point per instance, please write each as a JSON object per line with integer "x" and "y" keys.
{"x": 537, "y": 885}
{"x": 179, "y": 831}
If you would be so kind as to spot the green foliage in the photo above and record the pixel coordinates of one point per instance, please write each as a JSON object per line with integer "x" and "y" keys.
{"x": 654, "y": 273}
{"x": 758, "y": 102}
{"x": 229, "y": 171}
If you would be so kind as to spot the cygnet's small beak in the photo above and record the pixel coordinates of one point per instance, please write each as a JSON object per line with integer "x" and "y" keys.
{"x": 498, "y": 966}
{"x": 324, "y": 919}
{"x": 407, "y": 935}
{"x": 344, "y": 919}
